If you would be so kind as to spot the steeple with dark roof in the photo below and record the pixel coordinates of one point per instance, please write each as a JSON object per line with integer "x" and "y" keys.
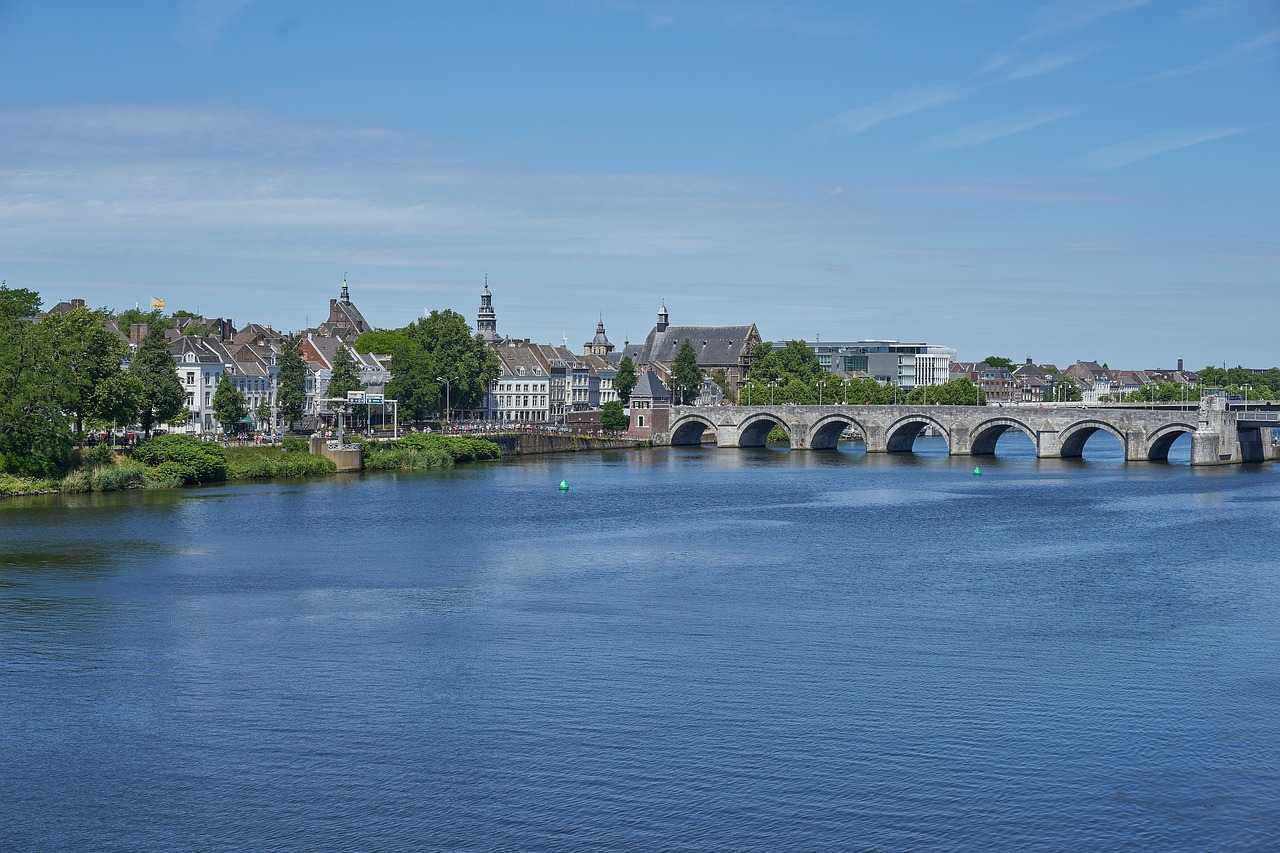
{"x": 486, "y": 318}
{"x": 599, "y": 345}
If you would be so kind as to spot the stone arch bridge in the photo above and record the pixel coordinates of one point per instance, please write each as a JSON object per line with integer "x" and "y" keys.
{"x": 1219, "y": 436}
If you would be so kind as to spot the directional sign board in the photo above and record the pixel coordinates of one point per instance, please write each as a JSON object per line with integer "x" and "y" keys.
{"x": 355, "y": 396}
{"x": 373, "y": 399}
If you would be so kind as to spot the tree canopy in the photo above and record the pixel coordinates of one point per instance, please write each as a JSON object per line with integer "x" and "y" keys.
{"x": 35, "y": 437}
{"x": 686, "y": 377}
{"x": 440, "y": 345}
{"x": 229, "y": 405}
{"x": 291, "y": 390}
{"x": 625, "y": 380}
{"x": 345, "y": 375}
{"x": 162, "y": 393}
{"x": 85, "y": 355}
{"x": 612, "y": 417}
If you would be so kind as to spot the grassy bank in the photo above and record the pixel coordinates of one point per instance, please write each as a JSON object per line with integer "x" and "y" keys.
{"x": 423, "y": 451}
{"x": 171, "y": 461}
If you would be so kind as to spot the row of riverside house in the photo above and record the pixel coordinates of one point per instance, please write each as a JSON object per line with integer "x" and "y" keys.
{"x": 206, "y": 349}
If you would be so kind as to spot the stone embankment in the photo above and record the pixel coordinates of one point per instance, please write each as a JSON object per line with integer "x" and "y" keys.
{"x": 527, "y": 444}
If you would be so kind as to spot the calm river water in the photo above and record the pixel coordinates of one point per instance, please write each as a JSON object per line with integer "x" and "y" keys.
{"x": 692, "y": 649}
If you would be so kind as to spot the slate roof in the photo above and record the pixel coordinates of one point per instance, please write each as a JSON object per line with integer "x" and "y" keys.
{"x": 648, "y": 385}
{"x": 714, "y": 345}
{"x": 518, "y": 355}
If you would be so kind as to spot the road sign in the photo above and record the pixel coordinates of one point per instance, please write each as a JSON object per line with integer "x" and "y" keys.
{"x": 374, "y": 399}
{"x": 355, "y": 396}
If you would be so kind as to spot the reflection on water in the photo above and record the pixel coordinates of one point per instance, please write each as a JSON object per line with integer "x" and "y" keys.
{"x": 692, "y": 648}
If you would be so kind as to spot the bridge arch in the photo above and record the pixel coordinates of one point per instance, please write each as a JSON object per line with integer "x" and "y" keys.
{"x": 1071, "y": 440}
{"x": 1159, "y": 442}
{"x": 983, "y": 437}
{"x": 826, "y": 431}
{"x": 754, "y": 430}
{"x": 901, "y": 435}
{"x": 689, "y": 429}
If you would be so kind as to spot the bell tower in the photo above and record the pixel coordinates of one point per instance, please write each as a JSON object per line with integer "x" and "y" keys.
{"x": 486, "y": 319}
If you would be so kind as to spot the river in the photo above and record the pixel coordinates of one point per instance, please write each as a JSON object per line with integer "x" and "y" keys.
{"x": 691, "y": 649}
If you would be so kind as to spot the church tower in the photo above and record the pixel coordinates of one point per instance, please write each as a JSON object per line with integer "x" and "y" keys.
{"x": 486, "y": 319}
{"x": 664, "y": 319}
{"x": 600, "y": 344}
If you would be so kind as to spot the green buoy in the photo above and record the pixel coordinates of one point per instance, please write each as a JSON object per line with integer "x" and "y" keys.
{"x": 564, "y": 485}
{"x": 977, "y": 471}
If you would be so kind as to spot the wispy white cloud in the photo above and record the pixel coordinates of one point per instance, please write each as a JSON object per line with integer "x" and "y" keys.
{"x": 1236, "y": 51}
{"x": 1071, "y": 15}
{"x": 897, "y": 105}
{"x": 761, "y": 15}
{"x": 204, "y": 21}
{"x": 1137, "y": 150}
{"x": 982, "y": 132}
{"x": 1047, "y": 63}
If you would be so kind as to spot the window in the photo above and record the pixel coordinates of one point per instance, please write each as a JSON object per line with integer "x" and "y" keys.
{"x": 191, "y": 377}
{"x": 640, "y": 420}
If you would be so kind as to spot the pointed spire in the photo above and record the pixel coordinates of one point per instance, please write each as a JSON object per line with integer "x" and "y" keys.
{"x": 344, "y": 294}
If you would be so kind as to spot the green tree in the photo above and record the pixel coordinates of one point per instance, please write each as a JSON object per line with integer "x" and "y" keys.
{"x": 291, "y": 385}
{"x": 345, "y": 376}
{"x": 389, "y": 341}
{"x": 625, "y": 381}
{"x": 162, "y": 393}
{"x": 686, "y": 377}
{"x": 957, "y": 392}
{"x": 999, "y": 361}
{"x": 830, "y": 388}
{"x": 262, "y": 415}
{"x": 441, "y": 345}
{"x": 154, "y": 320}
{"x": 1065, "y": 390}
{"x": 118, "y": 398}
{"x": 35, "y": 436}
{"x": 612, "y": 417}
{"x": 229, "y": 406}
{"x": 85, "y": 354}
{"x": 797, "y": 391}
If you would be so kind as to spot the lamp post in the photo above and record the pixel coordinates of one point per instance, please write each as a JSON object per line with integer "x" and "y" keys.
{"x": 773, "y": 383}
{"x": 446, "y": 399}
{"x": 1246, "y": 396}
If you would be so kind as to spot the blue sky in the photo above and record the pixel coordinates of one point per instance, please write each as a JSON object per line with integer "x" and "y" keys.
{"x": 1095, "y": 179}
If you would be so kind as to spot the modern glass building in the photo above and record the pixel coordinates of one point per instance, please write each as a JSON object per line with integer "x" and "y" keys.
{"x": 901, "y": 363}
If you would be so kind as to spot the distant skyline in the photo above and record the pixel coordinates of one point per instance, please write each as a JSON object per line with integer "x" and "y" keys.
{"x": 1093, "y": 179}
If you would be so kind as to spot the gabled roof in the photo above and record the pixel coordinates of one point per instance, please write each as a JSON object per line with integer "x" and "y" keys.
{"x": 713, "y": 345}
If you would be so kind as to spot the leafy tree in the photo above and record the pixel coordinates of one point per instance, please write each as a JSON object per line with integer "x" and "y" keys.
{"x": 612, "y": 417}
{"x": 625, "y": 381}
{"x": 291, "y": 385}
{"x": 35, "y": 437}
{"x": 345, "y": 376}
{"x": 441, "y": 344}
{"x": 798, "y": 391}
{"x": 686, "y": 377}
{"x": 957, "y": 392}
{"x": 118, "y": 398}
{"x": 153, "y": 319}
{"x": 262, "y": 415}
{"x": 382, "y": 341}
{"x": 999, "y": 361}
{"x": 85, "y": 354}
{"x": 830, "y": 388}
{"x": 229, "y": 406}
{"x": 162, "y": 392}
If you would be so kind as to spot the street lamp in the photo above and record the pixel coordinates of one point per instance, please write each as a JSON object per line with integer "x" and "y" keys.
{"x": 446, "y": 399}
{"x": 773, "y": 383}
{"x": 1246, "y": 395}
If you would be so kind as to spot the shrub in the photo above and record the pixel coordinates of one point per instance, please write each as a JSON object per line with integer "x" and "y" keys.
{"x": 97, "y": 456}
{"x": 201, "y": 462}
{"x": 112, "y": 478}
{"x": 295, "y": 445}
{"x": 393, "y": 458}
{"x": 167, "y": 475}
{"x": 267, "y": 463}
{"x": 461, "y": 448}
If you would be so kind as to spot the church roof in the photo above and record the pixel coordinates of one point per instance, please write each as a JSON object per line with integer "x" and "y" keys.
{"x": 714, "y": 345}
